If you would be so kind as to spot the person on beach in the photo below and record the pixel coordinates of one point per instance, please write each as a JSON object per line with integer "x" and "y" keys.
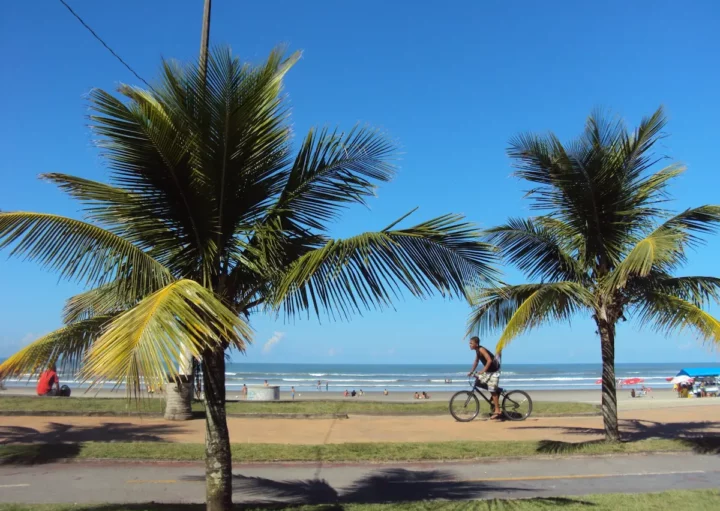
{"x": 346, "y": 393}
{"x": 385, "y": 392}
{"x": 49, "y": 384}
{"x": 266, "y": 383}
{"x": 327, "y": 386}
{"x": 243, "y": 392}
{"x": 292, "y": 393}
{"x": 489, "y": 376}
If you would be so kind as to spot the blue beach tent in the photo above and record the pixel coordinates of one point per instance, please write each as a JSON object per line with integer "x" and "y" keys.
{"x": 699, "y": 372}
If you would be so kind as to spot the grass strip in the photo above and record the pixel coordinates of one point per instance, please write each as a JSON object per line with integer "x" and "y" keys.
{"x": 696, "y": 500}
{"x": 348, "y": 452}
{"x": 19, "y": 404}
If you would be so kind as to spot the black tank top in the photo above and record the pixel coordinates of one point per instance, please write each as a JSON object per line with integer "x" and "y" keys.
{"x": 494, "y": 365}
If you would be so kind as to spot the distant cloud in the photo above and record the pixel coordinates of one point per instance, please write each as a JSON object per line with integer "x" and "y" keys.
{"x": 334, "y": 351}
{"x": 268, "y": 346}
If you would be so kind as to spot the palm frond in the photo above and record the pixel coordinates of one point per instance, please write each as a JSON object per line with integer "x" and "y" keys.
{"x": 80, "y": 251}
{"x": 130, "y": 216}
{"x": 65, "y": 346}
{"x": 597, "y": 183}
{"x": 664, "y": 248}
{"x": 669, "y": 314}
{"x": 145, "y": 343}
{"x": 700, "y": 291}
{"x": 370, "y": 270}
{"x": 535, "y": 249}
{"x": 519, "y": 308}
{"x": 331, "y": 171}
{"x": 106, "y": 299}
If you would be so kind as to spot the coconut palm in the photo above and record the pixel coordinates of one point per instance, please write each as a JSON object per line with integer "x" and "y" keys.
{"x": 603, "y": 244}
{"x": 210, "y": 216}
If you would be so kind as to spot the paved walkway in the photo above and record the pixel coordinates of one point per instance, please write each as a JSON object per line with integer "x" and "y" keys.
{"x": 318, "y": 484}
{"x": 663, "y": 423}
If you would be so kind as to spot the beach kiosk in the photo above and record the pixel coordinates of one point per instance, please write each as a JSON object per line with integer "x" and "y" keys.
{"x": 707, "y": 375}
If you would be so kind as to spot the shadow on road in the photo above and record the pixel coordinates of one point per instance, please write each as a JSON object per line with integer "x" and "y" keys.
{"x": 394, "y": 485}
{"x": 546, "y": 503}
{"x": 697, "y": 435}
{"x": 28, "y": 446}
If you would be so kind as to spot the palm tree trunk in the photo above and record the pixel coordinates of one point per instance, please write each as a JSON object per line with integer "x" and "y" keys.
{"x": 218, "y": 461}
{"x": 609, "y": 396}
{"x": 179, "y": 391}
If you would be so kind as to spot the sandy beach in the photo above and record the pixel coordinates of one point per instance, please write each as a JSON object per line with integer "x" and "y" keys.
{"x": 659, "y": 399}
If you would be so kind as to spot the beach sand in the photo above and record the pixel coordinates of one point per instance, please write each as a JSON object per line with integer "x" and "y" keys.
{"x": 660, "y": 398}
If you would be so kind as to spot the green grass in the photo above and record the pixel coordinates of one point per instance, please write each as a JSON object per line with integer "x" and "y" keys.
{"x": 155, "y": 405}
{"x": 695, "y": 500}
{"x": 370, "y": 452}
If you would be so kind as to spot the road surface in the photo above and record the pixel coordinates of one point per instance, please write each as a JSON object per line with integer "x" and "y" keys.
{"x": 311, "y": 483}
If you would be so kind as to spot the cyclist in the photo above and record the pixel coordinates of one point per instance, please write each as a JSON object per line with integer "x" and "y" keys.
{"x": 489, "y": 376}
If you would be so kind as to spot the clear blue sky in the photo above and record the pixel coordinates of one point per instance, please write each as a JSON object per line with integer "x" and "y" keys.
{"x": 451, "y": 82}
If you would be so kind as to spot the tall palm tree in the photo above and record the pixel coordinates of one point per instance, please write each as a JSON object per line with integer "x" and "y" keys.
{"x": 210, "y": 216}
{"x": 603, "y": 243}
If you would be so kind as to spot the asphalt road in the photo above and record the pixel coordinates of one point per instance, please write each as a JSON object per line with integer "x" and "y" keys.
{"x": 307, "y": 483}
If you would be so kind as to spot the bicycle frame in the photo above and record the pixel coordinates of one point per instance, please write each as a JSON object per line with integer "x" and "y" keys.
{"x": 479, "y": 390}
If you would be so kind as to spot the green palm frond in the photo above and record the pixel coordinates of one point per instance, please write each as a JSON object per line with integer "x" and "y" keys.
{"x": 535, "y": 249}
{"x": 700, "y": 291}
{"x": 130, "y": 216}
{"x": 671, "y": 314}
{"x": 597, "y": 184}
{"x": 519, "y": 308}
{"x": 664, "y": 248}
{"x": 106, "y": 299}
{"x": 145, "y": 343}
{"x": 368, "y": 270}
{"x": 331, "y": 171}
{"x": 65, "y": 346}
{"x": 80, "y": 251}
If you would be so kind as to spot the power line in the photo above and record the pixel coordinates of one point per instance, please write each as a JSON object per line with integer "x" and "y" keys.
{"x": 105, "y": 44}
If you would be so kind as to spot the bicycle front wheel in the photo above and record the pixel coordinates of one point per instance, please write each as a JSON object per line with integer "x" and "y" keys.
{"x": 517, "y": 405}
{"x": 464, "y": 406}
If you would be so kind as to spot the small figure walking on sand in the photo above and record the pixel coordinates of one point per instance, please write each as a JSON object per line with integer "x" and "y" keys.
{"x": 243, "y": 392}
{"x": 319, "y": 386}
{"x": 292, "y": 393}
{"x": 327, "y": 386}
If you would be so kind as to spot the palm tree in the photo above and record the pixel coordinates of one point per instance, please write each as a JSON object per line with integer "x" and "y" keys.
{"x": 210, "y": 216}
{"x": 603, "y": 244}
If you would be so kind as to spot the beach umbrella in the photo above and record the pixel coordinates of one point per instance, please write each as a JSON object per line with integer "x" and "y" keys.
{"x": 681, "y": 379}
{"x": 632, "y": 381}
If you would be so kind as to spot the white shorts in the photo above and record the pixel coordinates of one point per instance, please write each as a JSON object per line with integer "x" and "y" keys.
{"x": 489, "y": 380}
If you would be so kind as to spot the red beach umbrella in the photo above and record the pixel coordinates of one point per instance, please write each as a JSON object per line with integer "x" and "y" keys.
{"x": 632, "y": 381}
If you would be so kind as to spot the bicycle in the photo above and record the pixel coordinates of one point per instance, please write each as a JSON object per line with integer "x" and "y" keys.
{"x": 516, "y": 405}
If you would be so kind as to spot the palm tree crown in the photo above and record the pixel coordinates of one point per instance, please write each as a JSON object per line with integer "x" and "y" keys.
{"x": 209, "y": 215}
{"x": 603, "y": 242}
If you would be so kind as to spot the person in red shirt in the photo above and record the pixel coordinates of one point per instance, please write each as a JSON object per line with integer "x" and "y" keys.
{"x": 49, "y": 384}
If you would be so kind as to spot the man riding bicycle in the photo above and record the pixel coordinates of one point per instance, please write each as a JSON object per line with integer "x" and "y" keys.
{"x": 489, "y": 376}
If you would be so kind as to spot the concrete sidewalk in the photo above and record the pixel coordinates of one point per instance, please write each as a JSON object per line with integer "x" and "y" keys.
{"x": 662, "y": 423}
{"x": 319, "y": 484}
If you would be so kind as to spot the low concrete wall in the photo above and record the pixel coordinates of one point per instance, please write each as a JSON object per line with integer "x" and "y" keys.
{"x": 262, "y": 393}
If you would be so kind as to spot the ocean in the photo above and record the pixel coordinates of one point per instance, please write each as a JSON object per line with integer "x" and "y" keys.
{"x": 430, "y": 377}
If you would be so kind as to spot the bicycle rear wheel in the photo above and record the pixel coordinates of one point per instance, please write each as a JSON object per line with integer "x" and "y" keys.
{"x": 464, "y": 406}
{"x": 517, "y": 405}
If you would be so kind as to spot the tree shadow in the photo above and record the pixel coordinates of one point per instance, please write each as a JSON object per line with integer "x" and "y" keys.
{"x": 546, "y": 502}
{"x": 27, "y": 446}
{"x": 696, "y": 435}
{"x": 393, "y": 485}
